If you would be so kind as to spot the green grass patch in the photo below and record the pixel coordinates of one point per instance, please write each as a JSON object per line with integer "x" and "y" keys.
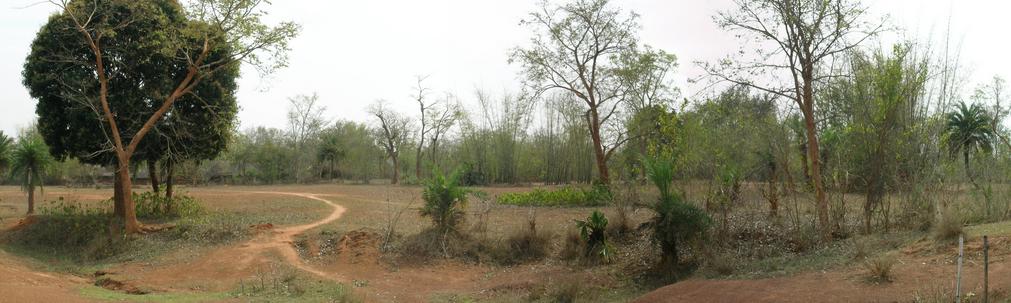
{"x": 568, "y": 196}
{"x": 288, "y": 285}
{"x": 825, "y": 257}
{"x": 74, "y": 237}
{"x": 992, "y": 229}
{"x": 98, "y": 293}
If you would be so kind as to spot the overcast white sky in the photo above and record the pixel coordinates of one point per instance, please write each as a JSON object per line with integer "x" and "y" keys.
{"x": 354, "y": 52}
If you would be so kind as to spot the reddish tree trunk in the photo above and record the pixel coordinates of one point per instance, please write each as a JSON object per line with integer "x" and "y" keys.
{"x": 125, "y": 210}
{"x": 598, "y": 147}
{"x": 807, "y": 107}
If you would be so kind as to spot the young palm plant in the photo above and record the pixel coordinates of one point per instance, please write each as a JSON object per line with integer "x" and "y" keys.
{"x": 593, "y": 233}
{"x": 445, "y": 200}
{"x": 29, "y": 161}
{"x": 674, "y": 221}
{"x": 969, "y": 132}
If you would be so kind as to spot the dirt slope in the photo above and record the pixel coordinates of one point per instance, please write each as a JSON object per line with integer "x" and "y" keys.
{"x": 919, "y": 273}
{"x": 18, "y": 283}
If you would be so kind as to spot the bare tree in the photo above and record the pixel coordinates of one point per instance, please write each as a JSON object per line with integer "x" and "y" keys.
{"x": 391, "y": 133}
{"x": 305, "y": 117}
{"x": 574, "y": 49}
{"x": 443, "y": 120}
{"x": 804, "y": 35}
{"x": 424, "y": 110}
{"x": 305, "y": 121}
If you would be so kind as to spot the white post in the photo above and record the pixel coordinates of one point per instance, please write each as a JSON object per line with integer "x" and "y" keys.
{"x": 958, "y": 275}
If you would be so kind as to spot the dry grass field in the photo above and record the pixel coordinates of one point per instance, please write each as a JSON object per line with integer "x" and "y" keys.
{"x": 295, "y": 246}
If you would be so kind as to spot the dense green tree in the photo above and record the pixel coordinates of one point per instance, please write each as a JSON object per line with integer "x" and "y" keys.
{"x": 119, "y": 67}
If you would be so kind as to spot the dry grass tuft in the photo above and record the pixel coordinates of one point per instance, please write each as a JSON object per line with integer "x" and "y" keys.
{"x": 572, "y": 246}
{"x": 949, "y": 227}
{"x": 879, "y": 269}
{"x": 524, "y": 245}
{"x": 567, "y": 292}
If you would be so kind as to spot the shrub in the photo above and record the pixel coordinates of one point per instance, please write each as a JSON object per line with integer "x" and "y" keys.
{"x": 444, "y": 201}
{"x": 949, "y": 226}
{"x": 572, "y": 246}
{"x": 569, "y": 196}
{"x": 620, "y": 227}
{"x": 66, "y": 224}
{"x": 567, "y": 292}
{"x": 525, "y": 245}
{"x": 675, "y": 222}
{"x": 433, "y": 243}
{"x": 593, "y": 233}
{"x": 470, "y": 176}
{"x": 150, "y": 205}
{"x": 880, "y": 269}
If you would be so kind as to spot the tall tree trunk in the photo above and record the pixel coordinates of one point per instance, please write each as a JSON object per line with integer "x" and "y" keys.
{"x": 968, "y": 170}
{"x": 152, "y": 171}
{"x": 126, "y": 212}
{"x": 169, "y": 179}
{"x": 813, "y": 154}
{"x": 773, "y": 189}
{"x": 598, "y": 147}
{"x": 874, "y": 193}
{"x": 31, "y": 195}
{"x": 804, "y": 164}
{"x": 117, "y": 193}
{"x": 396, "y": 171}
{"x": 417, "y": 162}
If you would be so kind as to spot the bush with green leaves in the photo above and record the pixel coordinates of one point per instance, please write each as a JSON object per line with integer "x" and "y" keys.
{"x": 674, "y": 222}
{"x": 151, "y": 205}
{"x": 593, "y": 232}
{"x": 67, "y": 224}
{"x": 568, "y": 196}
{"x": 445, "y": 201}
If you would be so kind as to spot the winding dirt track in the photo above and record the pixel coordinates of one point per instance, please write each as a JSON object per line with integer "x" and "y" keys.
{"x": 281, "y": 240}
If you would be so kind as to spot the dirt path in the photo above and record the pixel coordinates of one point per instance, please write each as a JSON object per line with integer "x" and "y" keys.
{"x": 282, "y": 238}
{"x": 223, "y": 268}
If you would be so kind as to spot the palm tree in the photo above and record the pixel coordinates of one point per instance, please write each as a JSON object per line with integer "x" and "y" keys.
{"x": 30, "y": 159}
{"x": 968, "y": 132}
{"x": 5, "y": 150}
